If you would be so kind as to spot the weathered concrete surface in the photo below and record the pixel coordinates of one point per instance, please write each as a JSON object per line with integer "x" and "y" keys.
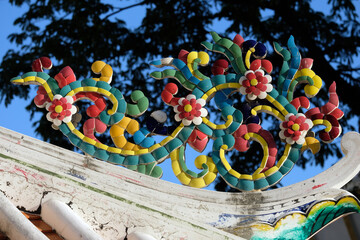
{"x": 116, "y": 201}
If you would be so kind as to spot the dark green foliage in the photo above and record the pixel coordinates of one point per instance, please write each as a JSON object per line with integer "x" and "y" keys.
{"x": 76, "y": 33}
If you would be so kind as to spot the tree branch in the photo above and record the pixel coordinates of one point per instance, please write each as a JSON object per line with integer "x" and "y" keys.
{"x": 124, "y": 8}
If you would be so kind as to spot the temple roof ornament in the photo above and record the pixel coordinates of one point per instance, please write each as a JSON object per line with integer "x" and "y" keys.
{"x": 243, "y": 74}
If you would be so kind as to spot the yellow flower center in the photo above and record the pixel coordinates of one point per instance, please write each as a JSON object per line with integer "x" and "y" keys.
{"x": 247, "y": 136}
{"x": 295, "y": 127}
{"x": 253, "y": 82}
{"x": 58, "y": 109}
{"x": 188, "y": 108}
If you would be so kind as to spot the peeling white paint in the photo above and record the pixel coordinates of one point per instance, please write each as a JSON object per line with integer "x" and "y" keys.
{"x": 114, "y": 201}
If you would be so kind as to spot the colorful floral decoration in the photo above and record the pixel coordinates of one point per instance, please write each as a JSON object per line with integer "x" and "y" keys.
{"x": 190, "y": 110}
{"x": 60, "y": 109}
{"x": 295, "y": 128}
{"x": 241, "y": 74}
{"x": 255, "y": 84}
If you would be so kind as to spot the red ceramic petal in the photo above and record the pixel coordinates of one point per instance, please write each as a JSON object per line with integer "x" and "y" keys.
{"x": 324, "y": 136}
{"x": 250, "y": 75}
{"x": 332, "y": 120}
{"x": 52, "y": 108}
{"x": 93, "y": 111}
{"x": 197, "y": 114}
{"x": 241, "y": 144}
{"x": 185, "y": 101}
{"x": 100, "y": 127}
{"x": 39, "y": 100}
{"x": 62, "y": 114}
{"x": 166, "y": 96}
{"x": 253, "y": 127}
{"x": 242, "y": 130}
{"x": 171, "y": 88}
{"x": 300, "y": 119}
{"x": 304, "y": 126}
{"x": 183, "y": 55}
{"x": 312, "y": 112}
{"x": 41, "y": 90}
{"x": 295, "y": 138}
{"x": 198, "y": 106}
{"x": 222, "y": 63}
{"x": 251, "y": 89}
{"x": 292, "y": 118}
{"x": 180, "y": 108}
{"x": 93, "y": 96}
{"x": 261, "y": 87}
{"x": 337, "y": 113}
{"x": 273, "y": 151}
{"x": 53, "y": 115}
{"x": 255, "y": 65}
{"x": 264, "y": 80}
{"x": 198, "y": 140}
{"x": 290, "y": 123}
{"x": 306, "y": 63}
{"x": 297, "y": 133}
{"x": 100, "y": 103}
{"x": 217, "y": 70}
{"x": 246, "y": 83}
{"x": 238, "y": 40}
{"x": 335, "y": 132}
{"x": 290, "y": 131}
{"x": 36, "y": 66}
{"x": 201, "y": 135}
{"x": 286, "y": 134}
{"x": 259, "y": 74}
{"x": 256, "y": 91}
{"x": 266, "y": 65}
{"x": 68, "y": 106}
{"x": 46, "y": 62}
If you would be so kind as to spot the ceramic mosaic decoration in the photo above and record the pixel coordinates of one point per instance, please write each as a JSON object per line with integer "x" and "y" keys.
{"x": 243, "y": 74}
{"x": 245, "y": 70}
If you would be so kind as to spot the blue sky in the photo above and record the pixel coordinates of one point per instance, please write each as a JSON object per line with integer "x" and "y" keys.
{"x": 16, "y": 118}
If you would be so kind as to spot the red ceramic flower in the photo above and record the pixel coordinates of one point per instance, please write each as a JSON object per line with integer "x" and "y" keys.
{"x": 190, "y": 110}
{"x": 41, "y": 98}
{"x": 255, "y": 84}
{"x": 60, "y": 109}
{"x": 295, "y": 128}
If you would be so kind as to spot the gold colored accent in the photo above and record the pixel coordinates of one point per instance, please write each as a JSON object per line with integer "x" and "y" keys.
{"x": 253, "y": 82}
{"x": 58, "y": 109}
{"x": 187, "y": 108}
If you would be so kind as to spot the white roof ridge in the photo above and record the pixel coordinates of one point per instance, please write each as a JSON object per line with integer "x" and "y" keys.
{"x": 65, "y": 222}
{"x": 15, "y": 225}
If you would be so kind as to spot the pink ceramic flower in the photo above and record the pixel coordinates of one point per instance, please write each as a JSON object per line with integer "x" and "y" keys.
{"x": 60, "y": 109}
{"x": 295, "y": 128}
{"x": 190, "y": 110}
{"x": 255, "y": 84}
